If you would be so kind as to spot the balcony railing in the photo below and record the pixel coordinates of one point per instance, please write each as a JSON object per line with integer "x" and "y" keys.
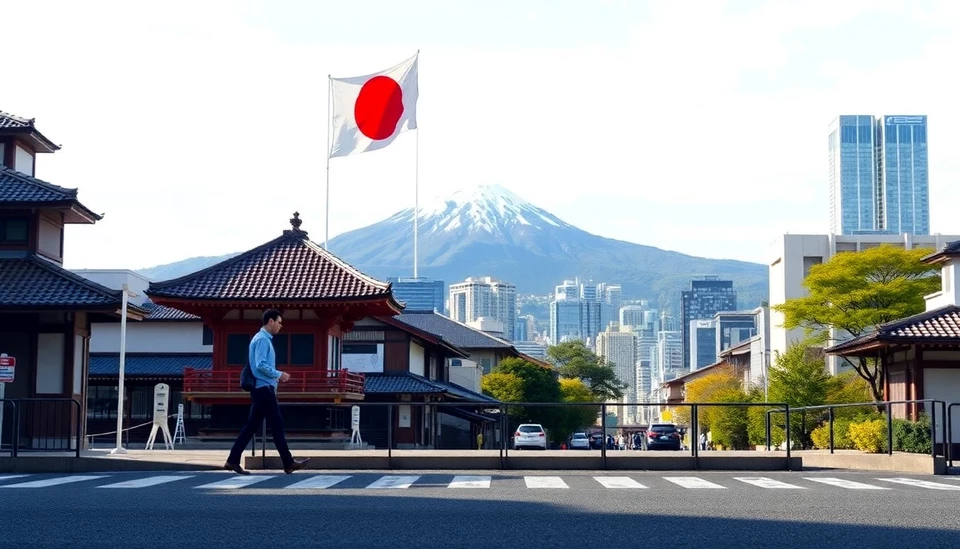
{"x": 226, "y": 383}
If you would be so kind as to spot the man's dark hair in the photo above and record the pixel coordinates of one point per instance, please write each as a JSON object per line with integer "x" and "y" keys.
{"x": 270, "y": 314}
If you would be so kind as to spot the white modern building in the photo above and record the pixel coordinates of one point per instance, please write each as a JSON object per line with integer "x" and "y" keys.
{"x": 618, "y": 345}
{"x": 484, "y": 297}
{"x": 792, "y": 256}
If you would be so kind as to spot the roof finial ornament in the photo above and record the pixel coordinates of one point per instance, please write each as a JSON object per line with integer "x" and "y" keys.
{"x": 295, "y": 222}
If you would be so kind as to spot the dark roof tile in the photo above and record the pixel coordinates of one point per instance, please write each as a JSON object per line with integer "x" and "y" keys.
{"x": 410, "y": 383}
{"x": 20, "y": 187}
{"x": 8, "y": 120}
{"x": 288, "y": 268}
{"x": 108, "y": 365}
{"x": 939, "y": 325}
{"x": 31, "y": 281}
{"x": 455, "y": 333}
{"x": 160, "y": 312}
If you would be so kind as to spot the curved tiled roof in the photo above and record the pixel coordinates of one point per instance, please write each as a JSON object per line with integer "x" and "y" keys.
{"x": 8, "y": 120}
{"x": 160, "y": 312}
{"x": 17, "y": 125}
{"x": 31, "y": 281}
{"x": 455, "y": 333}
{"x": 289, "y": 268}
{"x": 18, "y": 189}
{"x": 941, "y": 325}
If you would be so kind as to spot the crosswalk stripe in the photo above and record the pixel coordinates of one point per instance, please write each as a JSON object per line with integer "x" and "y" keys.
{"x": 145, "y": 482}
{"x": 56, "y": 481}
{"x": 764, "y": 482}
{"x": 921, "y": 483}
{"x": 11, "y": 477}
{"x": 318, "y": 482}
{"x": 843, "y": 483}
{"x": 394, "y": 481}
{"x": 233, "y": 483}
{"x": 467, "y": 481}
{"x": 545, "y": 482}
{"x": 693, "y": 482}
{"x": 618, "y": 482}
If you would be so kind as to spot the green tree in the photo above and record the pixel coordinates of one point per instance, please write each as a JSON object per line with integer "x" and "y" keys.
{"x": 855, "y": 292}
{"x": 503, "y": 387}
{"x": 576, "y": 417}
{"x": 574, "y": 360}
{"x": 799, "y": 377}
{"x": 537, "y": 384}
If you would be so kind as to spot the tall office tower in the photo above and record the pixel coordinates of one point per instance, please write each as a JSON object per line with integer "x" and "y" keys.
{"x": 617, "y": 345}
{"x": 878, "y": 175}
{"x": 610, "y": 297}
{"x": 669, "y": 357}
{"x": 419, "y": 294}
{"x": 575, "y": 313}
{"x": 484, "y": 297}
{"x": 702, "y": 301}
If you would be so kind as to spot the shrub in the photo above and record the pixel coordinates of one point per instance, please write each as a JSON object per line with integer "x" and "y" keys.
{"x": 869, "y": 436}
{"x": 912, "y": 436}
{"x": 841, "y": 435}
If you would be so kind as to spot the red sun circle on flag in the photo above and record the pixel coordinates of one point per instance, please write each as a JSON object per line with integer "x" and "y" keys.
{"x": 379, "y": 107}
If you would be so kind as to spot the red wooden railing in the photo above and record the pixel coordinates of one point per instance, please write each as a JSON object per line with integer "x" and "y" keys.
{"x": 307, "y": 381}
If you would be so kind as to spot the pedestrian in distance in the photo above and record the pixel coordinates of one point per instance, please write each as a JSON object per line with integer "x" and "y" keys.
{"x": 263, "y": 393}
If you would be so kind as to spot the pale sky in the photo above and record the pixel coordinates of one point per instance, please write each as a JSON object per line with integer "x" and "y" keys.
{"x": 197, "y": 127}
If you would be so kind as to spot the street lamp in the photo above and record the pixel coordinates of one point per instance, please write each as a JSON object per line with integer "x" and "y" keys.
{"x": 123, "y": 355}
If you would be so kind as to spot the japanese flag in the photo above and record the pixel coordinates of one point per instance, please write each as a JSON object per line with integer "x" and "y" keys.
{"x": 369, "y": 112}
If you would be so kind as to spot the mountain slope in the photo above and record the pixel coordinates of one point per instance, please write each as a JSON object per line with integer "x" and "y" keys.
{"x": 490, "y": 231}
{"x": 493, "y": 232}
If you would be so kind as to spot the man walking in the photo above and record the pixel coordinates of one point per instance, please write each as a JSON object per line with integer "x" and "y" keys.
{"x": 263, "y": 364}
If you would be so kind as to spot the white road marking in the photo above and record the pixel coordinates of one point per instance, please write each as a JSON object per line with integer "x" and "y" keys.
{"x": 545, "y": 482}
{"x": 56, "y": 481}
{"x": 921, "y": 483}
{"x": 843, "y": 483}
{"x": 764, "y": 482}
{"x": 466, "y": 481}
{"x": 318, "y": 482}
{"x": 618, "y": 482}
{"x": 11, "y": 477}
{"x": 391, "y": 481}
{"x": 693, "y": 482}
{"x": 145, "y": 482}
{"x": 233, "y": 483}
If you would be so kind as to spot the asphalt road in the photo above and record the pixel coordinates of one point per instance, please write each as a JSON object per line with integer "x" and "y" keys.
{"x": 474, "y": 509}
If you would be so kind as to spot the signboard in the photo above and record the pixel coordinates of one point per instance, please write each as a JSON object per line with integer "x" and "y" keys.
{"x": 8, "y": 366}
{"x": 355, "y": 418}
{"x": 161, "y": 402}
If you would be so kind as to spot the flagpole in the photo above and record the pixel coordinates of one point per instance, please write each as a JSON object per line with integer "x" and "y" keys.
{"x": 416, "y": 191}
{"x": 326, "y": 232}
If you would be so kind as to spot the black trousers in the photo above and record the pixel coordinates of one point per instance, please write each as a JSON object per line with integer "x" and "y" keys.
{"x": 264, "y": 405}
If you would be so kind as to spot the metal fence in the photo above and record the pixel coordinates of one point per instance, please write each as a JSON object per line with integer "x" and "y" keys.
{"x": 830, "y": 409}
{"x": 501, "y": 421}
{"x": 43, "y": 425}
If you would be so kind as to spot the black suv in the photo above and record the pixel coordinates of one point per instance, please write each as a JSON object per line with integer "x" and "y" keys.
{"x": 662, "y": 436}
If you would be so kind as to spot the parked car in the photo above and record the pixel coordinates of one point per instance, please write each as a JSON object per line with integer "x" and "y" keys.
{"x": 662, "y": 436}
{"x": 530, "y": 435}
{"x": 579, "y": 441}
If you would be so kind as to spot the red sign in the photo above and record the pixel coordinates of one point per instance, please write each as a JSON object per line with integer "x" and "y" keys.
{"x": 7, "y": 368}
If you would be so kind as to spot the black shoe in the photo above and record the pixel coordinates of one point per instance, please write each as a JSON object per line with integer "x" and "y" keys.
{"x": 235, "y": 468}
{"x": 296, "y": 465}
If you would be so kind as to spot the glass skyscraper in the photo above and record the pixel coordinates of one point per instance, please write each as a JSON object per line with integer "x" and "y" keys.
{"x": 878, "y": 175}
{"x": 418, "y": 294}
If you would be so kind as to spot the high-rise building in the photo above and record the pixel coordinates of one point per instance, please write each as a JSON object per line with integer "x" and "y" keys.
{"x": 734, "y": 327}
{"x": 610, "y": 297}
{"x": 878, "y": 175}
{"x": 703, "y": 344}
{"x": 618, "y": 345}
{"x": 704, "y": 299}
{"x": 576, "y": 312}
{"x": 485, "y": 297}
{"x": 418, "y": 294}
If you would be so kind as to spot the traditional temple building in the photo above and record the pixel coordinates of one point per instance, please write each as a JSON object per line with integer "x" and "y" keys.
{"x": 326, "y": 305}
{"x": 45, "y": 310}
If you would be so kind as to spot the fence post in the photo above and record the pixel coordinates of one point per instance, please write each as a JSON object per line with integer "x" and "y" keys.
{"x": 389, "y": 436}
{"x": 830, "y": 411}
{"x": 933, "y": 432}
{"x": 694, "y": 435}
{"x": 503, "y": 436}
{"x": 263, "y": 446}
{"x": 889, "y": 429}
{"x": 603, "y": 436}
{"x": 79, "y": 424}
{"x": 768, "y": 430}
{"x": 789, "y": 442}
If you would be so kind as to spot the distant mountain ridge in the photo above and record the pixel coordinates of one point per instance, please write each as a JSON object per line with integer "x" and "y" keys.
{"x": 491, "y": 231}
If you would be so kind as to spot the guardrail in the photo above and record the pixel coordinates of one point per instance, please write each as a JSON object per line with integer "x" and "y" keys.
{"x": 503, "y": 420}
{"x": 949, "y": 427}
{"x": 945, "y": 431}
{"x": 227, "y": 382}
{"x": 49, "y": 430}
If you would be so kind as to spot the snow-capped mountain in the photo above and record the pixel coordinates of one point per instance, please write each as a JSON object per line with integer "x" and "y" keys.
{"x": 490, "y": 231}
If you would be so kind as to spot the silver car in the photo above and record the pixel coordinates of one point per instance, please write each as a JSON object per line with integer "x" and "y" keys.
{"x": 579, "y": 441}
{"x": 530, "y": 435}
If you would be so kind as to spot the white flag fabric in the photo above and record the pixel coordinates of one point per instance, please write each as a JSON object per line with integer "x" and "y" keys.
{"x": 369, "y": 112}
